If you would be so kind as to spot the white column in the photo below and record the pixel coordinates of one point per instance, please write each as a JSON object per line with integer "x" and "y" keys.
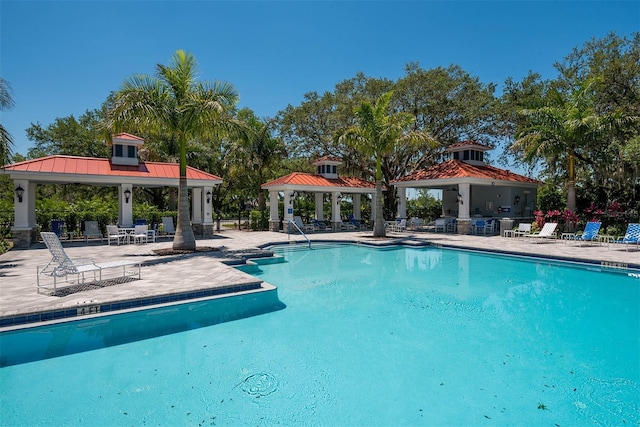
{"x": 125, "y": 209}
{"x": 21, "y": 207}
{"x": 196, "y": 205}
{"x": 319, "y": 206}
{"x": 356, "y": 206}
{"x": 335, "y": 210}
{"x": 465, "y": 193}
{"x": 288, "y": 206}
{"x": 402, "y": 202}
{"x": 273, "y": 207}
{"x": 208, "y": 205}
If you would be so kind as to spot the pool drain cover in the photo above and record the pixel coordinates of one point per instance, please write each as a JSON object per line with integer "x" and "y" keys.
{"x": 258, "y": 385}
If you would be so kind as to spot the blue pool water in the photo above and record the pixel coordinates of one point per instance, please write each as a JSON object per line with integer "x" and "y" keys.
{"x": 366, "y": 336}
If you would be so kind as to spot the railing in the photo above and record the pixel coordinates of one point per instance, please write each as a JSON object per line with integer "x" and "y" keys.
{"x": 297, "y": 228}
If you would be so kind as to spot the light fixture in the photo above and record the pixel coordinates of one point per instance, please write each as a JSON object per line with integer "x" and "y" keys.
{"x": 516, "y": 200}
{"x": 293, "y": 196}
{"x": 460, "y": 199}
{"x": 127, "y": 195}
{"x": 339, "y": 198}
{"x": 19, "y": 193}
{"x": 208, "y": 197}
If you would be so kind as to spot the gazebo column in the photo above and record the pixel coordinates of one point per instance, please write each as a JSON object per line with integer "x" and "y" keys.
{"x": 207, "y": 220}
{"x": 274, "y": 217}
{"x": 288, "y": 207}
{"x": 336, "y": 219}
{"x": 402, "y": 202}
{"x": 125, "y": 202}
{"x": 357, "y": 206}
{"x": 464, "y": 221}
{"x": 25, "y": 229}
{"x": 319, "y": 206}
{"x": 196, "y": 211}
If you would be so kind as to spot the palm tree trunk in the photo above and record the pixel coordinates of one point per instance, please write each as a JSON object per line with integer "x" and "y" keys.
{"x": 571, "y": 186}
{"x": 378, "y": 226}
{"x": 184, "y": 238}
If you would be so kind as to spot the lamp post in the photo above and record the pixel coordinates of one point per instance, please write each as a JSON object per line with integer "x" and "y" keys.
{"x": 127, "y": 195}
{"x": 19, "y": 193}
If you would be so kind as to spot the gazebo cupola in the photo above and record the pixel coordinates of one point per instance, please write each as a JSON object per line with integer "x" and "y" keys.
{"x": 468, "y": 152}
{"x": 124, "y": 149}
{"x": 327, "y": 167}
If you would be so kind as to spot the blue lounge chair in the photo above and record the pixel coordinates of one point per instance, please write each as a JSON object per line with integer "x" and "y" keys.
{"x": 320, "y": 225}
{"x": 357, "y": 224}
{"x": 590, "y": 233}
{"x": 631, "y": 237}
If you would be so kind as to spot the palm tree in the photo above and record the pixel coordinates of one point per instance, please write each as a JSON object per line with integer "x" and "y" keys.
{"x": 6, "y": 141}
{"x": 376, "y": 134}
{"x": 564, "y": 130}
{"x": 260, "y": 151}
{"x": 173, "y": 103}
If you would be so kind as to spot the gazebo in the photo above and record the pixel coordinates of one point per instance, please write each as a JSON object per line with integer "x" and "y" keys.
{"x": 122, "y": 170}
{"x": 470, "y": 187}
{"x": 326, "y": 180}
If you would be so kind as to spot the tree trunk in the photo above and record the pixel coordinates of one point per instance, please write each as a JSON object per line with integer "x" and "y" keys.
{"x": 571, "y": 187}
{"x": 184, "y": 238}
{"x": 378, "y": 226}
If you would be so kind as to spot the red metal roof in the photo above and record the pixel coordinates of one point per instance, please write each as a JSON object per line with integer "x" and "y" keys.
{"x": 309, "y": 179}
{"x": 327, "y": 159}
{"x": 458, "y": 169}
{"x": 70, "y": 165}
{"x": 470, "y": 144}
{"x": 125, "y": 135}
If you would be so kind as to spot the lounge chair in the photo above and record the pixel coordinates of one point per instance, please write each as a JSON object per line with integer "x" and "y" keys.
{"x": 631, "y": 237}
{"x": 548, "y": 232}
{"x": 320, "y": 225}
{"x": 524, "y": 228}
{"x": 302, "y": 226}
{"x": 590, "y": 233}
{"x": 62, "y": 266}
{"x": 345, "y": 226}
{"x": 168, "y": 228}
{"x": 114, "y": 234}
{"x": 357, "y": 224}
{"x": 416, "y": 223}
{"x": 400, "y": 225}
{"x": 92, "y": 229}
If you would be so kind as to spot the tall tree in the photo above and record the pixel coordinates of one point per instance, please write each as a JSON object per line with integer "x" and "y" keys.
{"x": 174, "y": 103}
{"x": 563, "y": 131}
{"x": 6, "y": 103}
{"x": 376, "y": 134}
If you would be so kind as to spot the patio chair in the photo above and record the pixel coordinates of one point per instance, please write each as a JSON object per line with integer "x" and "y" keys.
{"x": 345, "y": 226}
{"x": 92, "y": 229}
{"x": 590, "y": 233}
{"x": 400, "y": 225}
{"x": 57, "y": 227}
{"x": 452, "y": 226}
{"x": 168, "y": 228}
{"x": 357, "y": 224}
{"x": 441, "y": 224}
{"x": 320, "y": 225}
{"x": 523, "y": 229}
{"x": 114, "y": 234}
{"x": 477, "y": 226}
{"x": 631, "y": 237}
{"x": 62, "y": 266}
{"x": 302, "y": 226}
{"x": 140, "y": 234}
{"x": 548, "y": 232}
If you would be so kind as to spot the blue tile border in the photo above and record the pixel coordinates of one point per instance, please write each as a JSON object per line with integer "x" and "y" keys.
{"x": 25, "y": 319}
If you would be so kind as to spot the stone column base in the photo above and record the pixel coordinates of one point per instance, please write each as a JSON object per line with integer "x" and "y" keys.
{"x": 24, "y": 237}
{"x": 464, "y": 226}
{"x": 274, "y": 225}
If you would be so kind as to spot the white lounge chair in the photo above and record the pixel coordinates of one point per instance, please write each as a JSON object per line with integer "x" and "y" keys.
{"x": 62, "y": 266}
{"x": 548, "y": 232}
{"x": 168, "y": 229}
{"x": 524, "y": 229}
{"x": 302, "y": 226}
{"x": 400, "y": 225}
{"x": 92, "y": 229}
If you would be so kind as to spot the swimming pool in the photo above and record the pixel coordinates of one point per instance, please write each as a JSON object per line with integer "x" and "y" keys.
{"x": 391, "y": 336}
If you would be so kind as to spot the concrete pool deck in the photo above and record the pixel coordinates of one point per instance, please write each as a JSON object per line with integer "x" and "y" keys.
{"x": 209, "y": 273}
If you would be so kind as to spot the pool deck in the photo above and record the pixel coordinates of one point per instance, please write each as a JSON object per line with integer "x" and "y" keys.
{"x": 174, "y": 278}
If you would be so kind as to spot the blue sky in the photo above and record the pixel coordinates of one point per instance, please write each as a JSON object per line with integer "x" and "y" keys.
{"x": 65, "y": 57}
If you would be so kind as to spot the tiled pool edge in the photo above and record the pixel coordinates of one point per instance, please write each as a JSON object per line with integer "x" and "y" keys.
{"x": 108, "y": 307}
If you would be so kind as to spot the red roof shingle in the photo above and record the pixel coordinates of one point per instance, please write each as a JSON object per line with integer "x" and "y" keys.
{"x": 458, "y": 169}
{"x": 308, "y": 179}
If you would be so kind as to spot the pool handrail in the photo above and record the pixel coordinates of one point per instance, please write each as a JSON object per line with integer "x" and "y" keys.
{"x": 297, "y": 228}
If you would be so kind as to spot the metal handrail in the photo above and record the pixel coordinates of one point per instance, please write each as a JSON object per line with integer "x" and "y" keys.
{"x": 301, "y": 232}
